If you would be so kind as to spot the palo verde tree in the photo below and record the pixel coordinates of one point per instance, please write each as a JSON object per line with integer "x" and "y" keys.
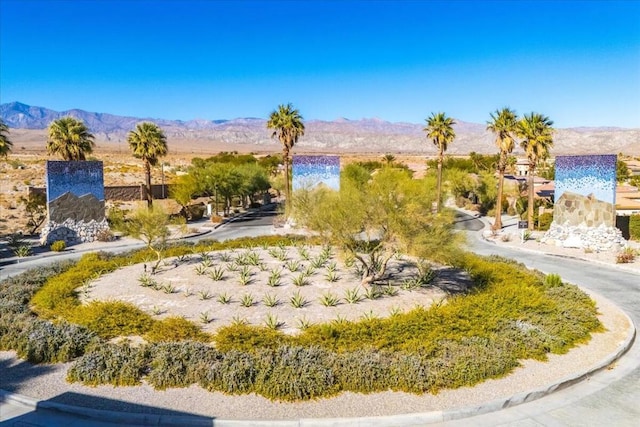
{"x": 288, "y": 127}
{"x": 440, "y": 130}
{"x": 536, "y": 132}
{"x": 5, "y": 143}
{"x": 373, "y": 220}
{"x": 148, "y": 142}
{"x": 70, "y": 139}
{"x": 503, "y": 124}
{"x": 151, "y": 225}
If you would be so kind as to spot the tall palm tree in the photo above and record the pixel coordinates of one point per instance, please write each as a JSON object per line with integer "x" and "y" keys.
{"x": 70, "y": 139}
{"x": 536, "y": 132}
{"x": 5, "y": 144}
{"x": 287, "y": 126}
{"x": 147, "y": 142}
{"x": 503, "y": 124}
{"x": 440, "y": 129}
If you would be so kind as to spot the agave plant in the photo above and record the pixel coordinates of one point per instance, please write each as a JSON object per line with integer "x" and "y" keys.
{"x": 297, "y": 300}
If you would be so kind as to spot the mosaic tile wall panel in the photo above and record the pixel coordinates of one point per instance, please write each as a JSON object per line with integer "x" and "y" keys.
{"x": 311, "y": 171}
{"x": 587, "y": 175}
{"x": 75, "y": 190}
{"x": 585, "y": 190}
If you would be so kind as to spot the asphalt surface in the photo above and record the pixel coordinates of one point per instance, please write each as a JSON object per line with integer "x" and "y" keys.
{"x": 610, "y": 397}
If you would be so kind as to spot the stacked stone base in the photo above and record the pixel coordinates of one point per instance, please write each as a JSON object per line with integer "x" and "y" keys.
{"x": 597, "y": 239}
{"x": 73, "y": 232}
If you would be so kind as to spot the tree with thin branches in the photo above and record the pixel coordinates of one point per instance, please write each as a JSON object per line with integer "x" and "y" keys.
{"x": 503, "y": 124}
{"x": 440, "y": 130}
{"x": 148, "y": 142}
{"x": 536, "y": 132}
{"x": 288, "y": 127}
{"x": 5, "y": 144}
{"x": 70, "y": 139}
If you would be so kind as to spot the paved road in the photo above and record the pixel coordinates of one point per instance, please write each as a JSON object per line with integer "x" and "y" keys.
{"x": 609, "y": 398}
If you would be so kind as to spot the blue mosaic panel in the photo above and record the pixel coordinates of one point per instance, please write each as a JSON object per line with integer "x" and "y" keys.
{"x": 308, "y": 172}
{"x": 77, "y": 178}
{"x": 587, "y": 175}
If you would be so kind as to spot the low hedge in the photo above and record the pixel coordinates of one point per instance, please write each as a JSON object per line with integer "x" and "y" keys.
{"x": 511, "y": 314}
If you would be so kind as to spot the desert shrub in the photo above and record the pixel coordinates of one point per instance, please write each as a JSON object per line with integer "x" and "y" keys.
{"x": 58, "y": 246}
{"x": 544, "y": 221}
{"x": 625, "y": 256}
{"x": 553, "y": 280}
{"x": 175, "y": 329}
{"x": 105, "y": 236}
{"x": 179, "y": 364}
{"x": 469, "y": 361}
{"x": 196, "y": 212}
{"x": 295, "y": 373}
{"x": 235, "y": 372}
{"x": 117, "y": 219}
{"x": 634, "y": 227}
{"x": 46, "y": 342}
{"x": 365, "y": 371}
{"x": 241, "y": 337}
{"x": 111, "y": 319}
{"x": 116, "y": 364}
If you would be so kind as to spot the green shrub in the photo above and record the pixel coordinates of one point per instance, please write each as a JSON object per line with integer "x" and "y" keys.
{"x": 365, "y": 371}
{"x": 45, "y": 342}
{"x": 634, "y": 227}
{"x": 179, "y": 364}
{"x": 111, "y": 319}
{"x": 175, "y": 329}
{"x": 58, "y": 246}
{"x": 295, "y": 373}
{"x": 544, "y": 221}
{"x": 116, "y": 364}
{"x": 235, "y": 372}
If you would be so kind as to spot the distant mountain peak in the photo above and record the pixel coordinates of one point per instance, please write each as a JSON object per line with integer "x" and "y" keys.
{"x": 342, "y": 134}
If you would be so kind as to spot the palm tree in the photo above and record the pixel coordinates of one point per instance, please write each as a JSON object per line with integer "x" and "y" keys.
{"x": 147, "y": 142}
{"x": 5, "y": 144}
{"x": 69, "y": 138}
{"x": 503, "y": 124}
{"x": 389, "y": 159}
{"x": 536, "y": 132}
{"x": 287, "y": 126}
{"x": 440, "y": 129}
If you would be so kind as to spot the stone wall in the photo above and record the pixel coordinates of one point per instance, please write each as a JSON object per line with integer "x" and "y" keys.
{"x": 74, "y": 232}
{"x": 573, "y": 209}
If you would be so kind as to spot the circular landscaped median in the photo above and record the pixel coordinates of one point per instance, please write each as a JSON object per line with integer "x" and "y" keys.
{"x": 288, "y": 320}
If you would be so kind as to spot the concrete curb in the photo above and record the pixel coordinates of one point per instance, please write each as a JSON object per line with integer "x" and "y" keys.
{"x": 422, "y": 418}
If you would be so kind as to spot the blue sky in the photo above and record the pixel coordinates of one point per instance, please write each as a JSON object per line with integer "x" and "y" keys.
{"x": 576, "y": 61}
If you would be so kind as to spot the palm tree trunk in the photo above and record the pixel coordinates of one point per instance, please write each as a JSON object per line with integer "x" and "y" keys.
{"x": 147, "y": 172}
{"x": 287, "y": 185}
{"x": 531, "y": 193}
{"x": 439, "y": 186}
{"x": 497, "y": 225}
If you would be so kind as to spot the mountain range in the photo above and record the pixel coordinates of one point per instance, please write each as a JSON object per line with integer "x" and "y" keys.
{"x": 341, "y": 135}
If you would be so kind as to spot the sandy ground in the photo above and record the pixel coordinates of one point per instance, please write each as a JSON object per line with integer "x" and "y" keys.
{"x": 184, "y": 287}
